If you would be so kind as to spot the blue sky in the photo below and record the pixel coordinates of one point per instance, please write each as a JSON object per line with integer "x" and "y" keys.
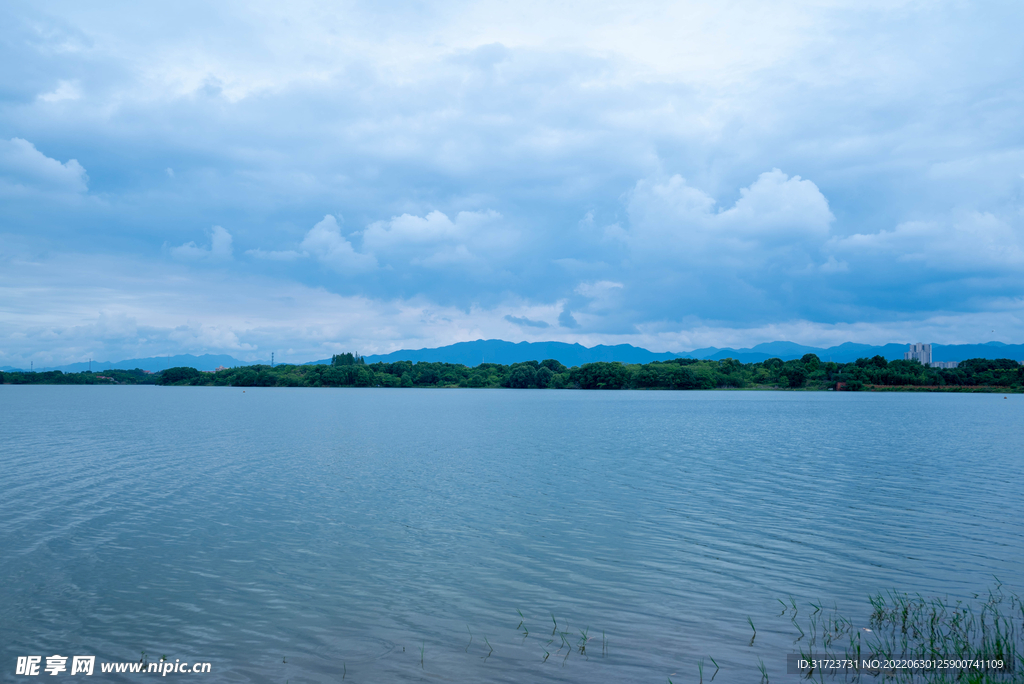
{"x": 313, "y": 178}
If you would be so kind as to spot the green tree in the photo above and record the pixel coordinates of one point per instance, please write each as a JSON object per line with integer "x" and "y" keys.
{"x": 523, "y": 376}
{"x": 647, "y": 377}
{"x": 560, "y": 381}
{"x": 811, "y": 362}
{"x": 179, "y": 374}
{"x": 600, "y": 375}
{"x": 478, "y": 378}
{"x": 426, "y": 373}
{"x": 245, "y": 378}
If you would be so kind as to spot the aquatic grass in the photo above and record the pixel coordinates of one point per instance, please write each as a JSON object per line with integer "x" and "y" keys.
{"x": 569, "y": 641}
{"x": 522, "y": 624}
{"x": 584, "y": 640}
{"x": 900, "y": 624}
{"x": 796, "y": 611}
{"x": 988, "y": 627}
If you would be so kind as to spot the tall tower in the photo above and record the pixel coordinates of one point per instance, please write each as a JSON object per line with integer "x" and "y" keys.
{"x": 271, "y": 359}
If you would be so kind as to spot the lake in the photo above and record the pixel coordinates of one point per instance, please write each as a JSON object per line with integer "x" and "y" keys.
{"x": 305, "y": 535}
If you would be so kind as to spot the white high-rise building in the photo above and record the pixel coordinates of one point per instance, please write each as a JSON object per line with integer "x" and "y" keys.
{"x": 919, "y": 352}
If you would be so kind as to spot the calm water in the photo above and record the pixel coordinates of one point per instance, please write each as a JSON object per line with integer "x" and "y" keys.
{"x": 299, "y": 534}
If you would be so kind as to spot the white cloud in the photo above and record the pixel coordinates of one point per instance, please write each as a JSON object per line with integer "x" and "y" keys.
{"x": 477, "y": 239}
{"x": 446, "y": 256}
{"x": 408, "y": 231}
{"x": 963, "y": 243}
{"x": 199, "y": 336}
{"x": 66, "y": 90}
{"x": 669, "y": 207}
{"x": 21, "y": 164}
{"x": 775, "y": 210}
{"x": 284, "y": 255}
{"x": 601, "y": 289}
{"x": 325, "y": 242}
{"x": 220, "y": 247}
{"x": 433, "y": 241}
{"x": 833, "y": 265}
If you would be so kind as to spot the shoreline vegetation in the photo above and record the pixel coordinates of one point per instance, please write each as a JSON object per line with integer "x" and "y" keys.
{"x": 971, "y": 641}
{"x": 349, "y": 370}
{"x": 906, "y": 639}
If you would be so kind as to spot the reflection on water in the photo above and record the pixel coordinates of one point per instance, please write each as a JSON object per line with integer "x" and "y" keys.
{"x": 396, "y": 535}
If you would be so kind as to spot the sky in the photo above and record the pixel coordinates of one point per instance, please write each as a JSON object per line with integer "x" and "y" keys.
{"x": 312, "y": 178}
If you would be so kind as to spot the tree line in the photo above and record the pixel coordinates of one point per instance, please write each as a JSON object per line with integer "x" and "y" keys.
{"x": 350, "y": 370}
{"x": 107, "y": 377}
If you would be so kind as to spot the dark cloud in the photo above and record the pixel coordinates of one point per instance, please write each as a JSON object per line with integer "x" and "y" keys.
{"x": 566, "y": 320}
{"x": 523, "y": 320}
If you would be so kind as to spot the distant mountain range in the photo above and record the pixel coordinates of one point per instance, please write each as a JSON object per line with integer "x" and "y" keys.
{"x": 499, "y": 351}
{"x": 152, "y": 363}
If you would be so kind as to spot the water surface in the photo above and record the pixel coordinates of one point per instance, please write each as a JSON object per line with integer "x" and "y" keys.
{"x": 301, "y": 534}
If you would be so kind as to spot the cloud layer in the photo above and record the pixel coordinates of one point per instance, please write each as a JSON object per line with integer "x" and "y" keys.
{"x": 670, "y": 174}
{"x": 24, "y": 168}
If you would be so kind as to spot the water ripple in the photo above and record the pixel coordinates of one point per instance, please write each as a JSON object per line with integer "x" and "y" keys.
{"x": 305, "y": 534}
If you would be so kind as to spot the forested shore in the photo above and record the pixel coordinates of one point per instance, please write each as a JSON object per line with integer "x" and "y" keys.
{"x": 348, "y": 370}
